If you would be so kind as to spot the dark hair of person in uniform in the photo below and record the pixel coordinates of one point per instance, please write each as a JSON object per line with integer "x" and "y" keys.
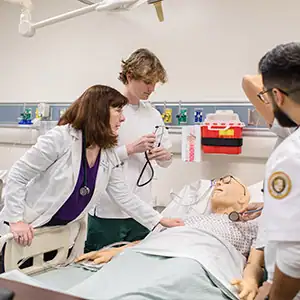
{"x": 91, "y": 114}
{"x": 280, "y": 68}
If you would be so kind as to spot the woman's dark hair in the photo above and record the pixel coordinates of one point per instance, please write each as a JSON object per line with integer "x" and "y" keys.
{"x": 90, "y": 113}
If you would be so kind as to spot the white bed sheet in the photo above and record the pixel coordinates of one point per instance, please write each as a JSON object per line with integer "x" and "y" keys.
{"x": 59, "y": 280}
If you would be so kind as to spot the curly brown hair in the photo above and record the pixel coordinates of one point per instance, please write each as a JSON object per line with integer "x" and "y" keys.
{"x": 144, "y": 65}
{"x": 91, "y": 113}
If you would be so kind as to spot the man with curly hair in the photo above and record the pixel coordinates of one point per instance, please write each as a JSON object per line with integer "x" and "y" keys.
{"x": 142, "y": 132}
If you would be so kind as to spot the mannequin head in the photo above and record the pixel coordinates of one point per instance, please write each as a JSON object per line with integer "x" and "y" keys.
{"x": 228, "y": 195}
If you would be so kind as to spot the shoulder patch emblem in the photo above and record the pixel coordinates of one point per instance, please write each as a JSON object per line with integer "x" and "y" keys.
{"x": 279, "y": 185}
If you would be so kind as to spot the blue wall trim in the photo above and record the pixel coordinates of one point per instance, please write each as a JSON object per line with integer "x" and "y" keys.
{"x": 9, "y": 112}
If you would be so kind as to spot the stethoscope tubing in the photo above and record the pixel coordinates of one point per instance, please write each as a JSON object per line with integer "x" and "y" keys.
{"x": 253, "y": 211}
{"x": 148, "y": 162}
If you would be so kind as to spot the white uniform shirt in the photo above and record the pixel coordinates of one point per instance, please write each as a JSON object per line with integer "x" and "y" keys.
{"x": 139, "y": 120}
{"x": 281, "y": 216}
{"x": 281, "y": 132}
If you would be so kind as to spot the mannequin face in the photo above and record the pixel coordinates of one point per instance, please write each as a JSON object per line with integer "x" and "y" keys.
{"x": 228, "y": 195}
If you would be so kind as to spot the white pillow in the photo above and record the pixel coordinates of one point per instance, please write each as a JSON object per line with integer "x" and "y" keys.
{"x": 256, "y": 195}
{"x": 198, "y": 193}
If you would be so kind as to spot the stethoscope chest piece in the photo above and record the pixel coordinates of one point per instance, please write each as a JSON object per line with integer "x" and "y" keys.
{"x": 84, "y": 191}
{"x": 234, "y": 216}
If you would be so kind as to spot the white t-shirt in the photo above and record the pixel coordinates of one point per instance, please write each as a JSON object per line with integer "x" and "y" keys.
{"x": 281, "y": 217}
{"x": 139, "y": 120}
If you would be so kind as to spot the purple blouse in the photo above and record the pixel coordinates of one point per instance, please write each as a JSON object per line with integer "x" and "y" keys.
{"x": 76, "y": 203}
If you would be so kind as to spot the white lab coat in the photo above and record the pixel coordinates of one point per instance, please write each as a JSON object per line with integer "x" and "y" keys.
{"x": 139, "y": 120}
{"x": 41, "y": 181}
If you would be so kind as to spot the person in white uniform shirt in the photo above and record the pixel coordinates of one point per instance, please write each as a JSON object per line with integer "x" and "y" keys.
{"x": 143, "y": 130}
{"x": 252, "y": 86}
{"x": 280, "y": 70}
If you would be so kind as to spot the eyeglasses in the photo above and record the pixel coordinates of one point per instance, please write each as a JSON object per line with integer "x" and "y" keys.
{"x": 261, "y": 97}
{"x": 227, "y": 180}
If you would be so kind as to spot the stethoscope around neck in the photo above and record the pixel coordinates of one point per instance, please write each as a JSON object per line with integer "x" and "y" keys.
{"x": 84, "y": 190}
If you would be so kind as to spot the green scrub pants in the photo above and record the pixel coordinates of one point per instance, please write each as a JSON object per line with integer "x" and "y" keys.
{"x": 103, "y": 232}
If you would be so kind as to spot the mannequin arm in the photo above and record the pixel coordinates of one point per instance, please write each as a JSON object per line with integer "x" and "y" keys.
{"x": 254, "y": 268}
{"x": 253, "y": 273}
{"x": 104, "y": 255}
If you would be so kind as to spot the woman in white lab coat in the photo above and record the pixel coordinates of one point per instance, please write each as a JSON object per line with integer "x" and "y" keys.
{"x": 108, "y": 223}
{"x": 58, "y": 179}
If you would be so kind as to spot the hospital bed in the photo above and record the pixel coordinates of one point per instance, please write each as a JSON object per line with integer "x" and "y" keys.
{"x": 57, "y": 276}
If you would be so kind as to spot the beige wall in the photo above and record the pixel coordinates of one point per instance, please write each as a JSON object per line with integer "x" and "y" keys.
{"x": 205, "y": 45}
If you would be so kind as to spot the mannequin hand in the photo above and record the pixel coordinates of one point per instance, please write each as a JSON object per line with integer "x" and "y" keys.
{"x": 99, "y": 257}
{"x": 166, "y": 222}
{"x": 247, "y": 289}
{"x": 22, "y": 232}
{"x": 251, "y": 216}
{"x": 143, "y": 144}
{"x": 263, "y": 291}
{"x": 104, "y": 255}
{"x": 160, "y": 154}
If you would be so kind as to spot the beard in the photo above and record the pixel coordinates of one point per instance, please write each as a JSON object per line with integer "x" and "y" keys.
{"x": 282, "y": 118}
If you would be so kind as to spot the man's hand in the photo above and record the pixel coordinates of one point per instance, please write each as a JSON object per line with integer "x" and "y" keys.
{"x": 22, "y": 232}
{"x": 251, "y": 216}
{"x": 263, "y": 291}
{"x": 247, "y": 288}
{"x": 99, "y": 257}
{"x": 145, "y": 143}
{"x": 160, "y": 154}
{"x": 166, "y": 222}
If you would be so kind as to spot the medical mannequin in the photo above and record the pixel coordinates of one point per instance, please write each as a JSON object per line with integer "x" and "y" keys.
{"x": 228, "y": 195}
{"x": 56, "y": 181}
{"x": 107, "y": 222}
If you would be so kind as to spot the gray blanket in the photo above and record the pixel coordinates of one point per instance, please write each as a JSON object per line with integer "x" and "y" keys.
{"x": 177, "y": 264}
{"x": 137, "y": 276}
{"x": 180, "y": 263}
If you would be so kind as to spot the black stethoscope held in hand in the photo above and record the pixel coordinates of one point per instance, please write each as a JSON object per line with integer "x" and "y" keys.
{"x": 148, "y": 162}
{"x": 235, "y": 216}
